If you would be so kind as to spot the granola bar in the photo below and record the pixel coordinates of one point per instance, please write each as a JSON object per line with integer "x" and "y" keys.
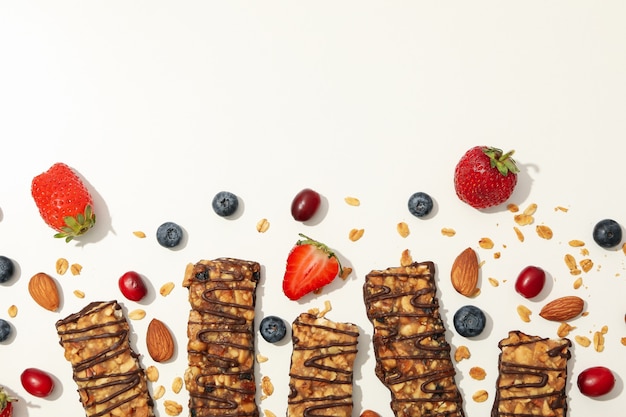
{"x": 110, "y": 379}
{"x": 320, "y": 376}
{"x": 220, "y": 375}
{"x": 412, "y": 354}
{"x": 532, "y": 375}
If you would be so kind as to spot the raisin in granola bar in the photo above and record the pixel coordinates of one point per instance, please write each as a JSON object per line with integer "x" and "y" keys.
{"x": 412, "y": 355}
{"x": 322, "y": 361}
{"x": 532, "y": 375}
{"x": 220, "y": 375}
{"x": 110, "y": 379}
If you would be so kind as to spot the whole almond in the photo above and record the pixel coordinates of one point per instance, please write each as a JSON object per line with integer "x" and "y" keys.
{"x": 44, "y": 291}
{"x": 563, "y": 309}
{"x": 464, "y": 273}
{"x": 159, "y": 341}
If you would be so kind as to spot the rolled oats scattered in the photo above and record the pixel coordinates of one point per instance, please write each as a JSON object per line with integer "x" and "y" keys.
{"x": 623, "y": 341}
{"x": 598, "y": 341}
{"x": 446, "y": 231}
{"x": 494, "y": 282}
{"x": 79, "y": 294}
{"x": 513, "y": 208}
{"x": 75, "y": 269}
{"x": 158, "y": 392}
{"x": 352, "y": 201}
{"x": 356, "y": 234}
{"x": 403, "y": 229}
{"x": 462, "y": 352}
{"x": 172, "y": 408}
{"x": 564, "y": 329}
{"x": 261, "y": 359}
{"x": 544, "y": 232}
{"x": 578, "y": 283}
{"x": 523, "y": 219}
{"x": 524, "y": 313}
{"x": 582, "y": 340}
{"x": 268, "y": 413}
{"x": 485, "y": 243}
{"x": 531, "y": 209}
{"x": 496, "y": 255}
{"x": 152, "y": 373}
{"x": 477, "y": 373}
{"x": 166, "y": 288}
{"x": 177, "y": 384}
{"x": 262, "y": 225}
{"x": 519, "y": 234}
{"x": 575, "y": 243}
{"x": 267, "y": 386}
{"x": 561, "y": 208}
{"x": 139, "y": 234}
{"x": 61, "y": 266}
{"x": 480, "y": 396}
{"x": 406, "y": 259}
{"x": 586, "y": 264}
{"x": 12, "y": 311}
{"x": 137, "y": 314}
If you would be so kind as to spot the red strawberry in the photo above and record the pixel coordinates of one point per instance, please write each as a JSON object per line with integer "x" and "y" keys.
{"x": 6, "y": 405}
{"x": 485, "y": 177}
{"x": 63, "y": 201}
{"x": 310, "y": 266}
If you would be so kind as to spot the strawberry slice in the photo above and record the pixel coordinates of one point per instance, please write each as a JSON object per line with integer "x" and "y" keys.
{"x": 310, "y": 266}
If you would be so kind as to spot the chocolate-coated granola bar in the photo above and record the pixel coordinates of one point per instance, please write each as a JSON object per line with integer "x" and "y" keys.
{"x": 532, "y": 376}
{"x": 412, "y": 355}
{"x": 110, "y": 379}
{"x": 220, "y": 375}
{"x": 322, "y": 363}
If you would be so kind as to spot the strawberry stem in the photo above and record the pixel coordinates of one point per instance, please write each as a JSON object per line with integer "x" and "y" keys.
{"x": 309, "y": 241}
{"x": 502, "y": 161}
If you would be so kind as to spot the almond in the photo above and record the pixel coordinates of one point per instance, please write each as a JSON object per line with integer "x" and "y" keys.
{"x": 464, "y": 273}
{"x": 159, "y": 341}
{"x": 563, "y": 309}
{"x": 44, "y": 291}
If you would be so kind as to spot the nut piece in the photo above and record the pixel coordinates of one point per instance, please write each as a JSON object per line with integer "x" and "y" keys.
{"x": 480, "y": 396}
{"x": 159, "y": 341}
{"x": 166, "y": 288}
{"x": 477, "y": 373}
{"x": 137, "y": 314}
{"x": 44, "y": 291}
{"x": 524, "y": 313}
{"x": 158, "y": 392}
{"x": 177, "y": 384}
{"x": 172, "y": 408}
{"x": 462, "y": 352}
{"x": 563, "y": 309}
{"x": 464, "y": 273}
{"x": 152, "y": 373}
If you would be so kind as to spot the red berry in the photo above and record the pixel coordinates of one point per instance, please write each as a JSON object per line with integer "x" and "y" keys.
{"x": 485, "y": 177}
{"x": 596, "y": 381}
{"x": 132, "y": 286}
{"x": 305, "y": 205}
{"x": 63, "y": 201}
{"x": 37, "y": 382}
{"x": 530, "y": 281}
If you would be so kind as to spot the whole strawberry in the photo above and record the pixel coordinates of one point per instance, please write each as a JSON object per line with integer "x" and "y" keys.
{"x": 63, "y": 201}
{"x": 485, "y": 177}
{"x": 6, "y": 404}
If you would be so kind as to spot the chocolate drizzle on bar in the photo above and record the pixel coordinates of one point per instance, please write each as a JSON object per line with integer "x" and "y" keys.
{"x": 412, "y": 354}
{"x": 220, "y": 377}
{"x": 321, "y": 367}
{"x": 96, "y": 342}
{"x": 532, "y": 376}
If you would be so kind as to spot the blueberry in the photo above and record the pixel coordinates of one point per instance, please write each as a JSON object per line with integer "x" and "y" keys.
{"x": 5, "y": 330}
{"x": 169, "y": 234}
{"x": 420, "y": 204}
{"x": 225, "y": 203}
{"x": 607, "y": 233}
{"x": 273, "y": 329}
{"x": 6, "y": 269}
{"x": 469, "y": 321}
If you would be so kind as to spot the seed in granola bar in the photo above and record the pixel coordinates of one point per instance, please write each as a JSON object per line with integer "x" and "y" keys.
{"x": 607, "y": 233}
{"x": 5, "y": 330}
{"x": 420, "y": 204}
{"x": 6, "y": 269}
{"x": 469, "y": 321}
{"x": 596, "y": 381}
{"x": 273, "y": 329}
{"x": 530, "y": 281}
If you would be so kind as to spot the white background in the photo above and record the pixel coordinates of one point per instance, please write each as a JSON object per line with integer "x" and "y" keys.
{"x": 160, "y": 105}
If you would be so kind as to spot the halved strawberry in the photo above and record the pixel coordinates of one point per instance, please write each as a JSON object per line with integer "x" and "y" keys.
{"x": 6, "y": 405}
{"x": 310, "y": 266}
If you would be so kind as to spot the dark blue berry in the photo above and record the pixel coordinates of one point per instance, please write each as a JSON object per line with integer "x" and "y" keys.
{"x": 420, "y": 204}
{"x": 607, "y": 233}
{"x": 469, "y": 321}
{"x": 225, "y": 203}
{"x": 6, "y": 269}
{"x": 169, "y": 234}
{"x": 273, "y": 329}
{"x": 5, "y": 330}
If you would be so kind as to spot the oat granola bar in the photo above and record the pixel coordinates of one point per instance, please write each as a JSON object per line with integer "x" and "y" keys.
{"x": 220, "y": 375}
{"x": 322, "y": 363}
{"x": 110, "y": 379}
{"x": 412, "y": 355}
{"x": 532, "y": 376}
